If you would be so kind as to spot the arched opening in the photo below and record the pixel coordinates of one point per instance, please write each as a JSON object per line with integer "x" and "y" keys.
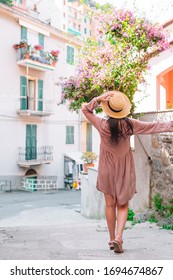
{"x": 30, "y": 172}
{"x": 31, "y": 179}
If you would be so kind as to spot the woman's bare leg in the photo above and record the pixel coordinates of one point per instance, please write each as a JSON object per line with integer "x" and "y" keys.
{"x": 110, "y": 215}
{"x": 122, "y": 213}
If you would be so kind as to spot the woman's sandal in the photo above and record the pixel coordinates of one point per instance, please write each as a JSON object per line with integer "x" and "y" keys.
{"x": 111, "y": 244}
{"x": 118, "y": 245}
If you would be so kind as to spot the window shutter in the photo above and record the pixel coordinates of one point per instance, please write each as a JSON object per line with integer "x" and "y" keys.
{"x": 23, "y": 33}
{"x": 89, "y": 137}
{"x": 41, "y": 39}
{"x": 34, "y": 142}
{"x": 69, "y": 134}
{"x": 70, "y": 55}
{"x": 28, "y": 142}
{"x": 31, "y": 142}
{"x": 40, "y": 95}
{"x": 23, "y": 93}
{"x": 72, "y": 135}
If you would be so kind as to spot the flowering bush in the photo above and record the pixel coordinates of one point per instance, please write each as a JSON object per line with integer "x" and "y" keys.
{"x": 119, "y": 61}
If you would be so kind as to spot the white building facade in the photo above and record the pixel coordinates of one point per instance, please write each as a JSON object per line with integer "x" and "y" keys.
{"x": 35, "y": 131}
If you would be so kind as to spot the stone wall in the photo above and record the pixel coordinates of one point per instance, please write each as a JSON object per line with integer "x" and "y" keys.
{"x": 161, "y": 153}
{"x": 15, "y": 183}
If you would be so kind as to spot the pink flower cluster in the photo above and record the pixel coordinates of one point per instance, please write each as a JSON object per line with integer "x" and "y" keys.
{"x": 120, "y": 62}
{"x": 55, "y": 53}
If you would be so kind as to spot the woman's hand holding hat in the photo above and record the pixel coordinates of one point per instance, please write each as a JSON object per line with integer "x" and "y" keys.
{"x": 115, "y": 104}
{"x": 105, "y": 96}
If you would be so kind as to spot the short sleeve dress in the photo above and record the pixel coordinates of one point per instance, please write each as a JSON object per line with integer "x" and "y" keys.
{"x": 116, "y": 169}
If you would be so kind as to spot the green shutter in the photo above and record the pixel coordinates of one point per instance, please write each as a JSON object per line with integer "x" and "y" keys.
{"x": 31, "y": 142}
{"x": 69, "y": 134}
{"x": 41, "y": 39}
{"x": 34, "y": 141}
{"x": 89, "y": 137}
{"x": 40, "y": 95}
{"x": 23, "y": 33}
{"x": 23, "y": 93}
{"x": 72, "y": 134}
{"x": 70, "y": 55}
{"x": 28, "y": 142}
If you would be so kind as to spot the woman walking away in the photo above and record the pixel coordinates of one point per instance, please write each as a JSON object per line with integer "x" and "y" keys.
{"x": 116, "y": 170}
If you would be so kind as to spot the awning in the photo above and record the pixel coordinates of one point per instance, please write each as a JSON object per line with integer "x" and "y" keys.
{"x": 76, "y": 156}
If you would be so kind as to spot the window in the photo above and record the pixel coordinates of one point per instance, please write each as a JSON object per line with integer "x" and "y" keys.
{"x": 31, "y": 94}
{"x": 74, "y": 25}
{"x": 40, "y": 95}
{"x": 19, "y": 1}
{"x": 85, "y": 30}
{"x": 69, "y": 134}
{"x": 31, "y": 142}
{"x": 89, "y": 137}
{"x": 23, "y": 93}
{"x": 85, "y": 20}
{"x": 23, "y": 33}
{"x": 70, "y": 55}
{"x": 41, "y": 39}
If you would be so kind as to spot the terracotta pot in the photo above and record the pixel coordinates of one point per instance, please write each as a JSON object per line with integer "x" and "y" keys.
{"x": 27, "y": 55}
{"x": 54, "y": 63}
{"x": 86, "y": 165}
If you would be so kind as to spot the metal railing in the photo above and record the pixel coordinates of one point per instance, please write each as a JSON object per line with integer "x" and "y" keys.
{"x": 35, "y": 106}
{"x": 32, "y": 155}
{"x": 30, "y": 184}
{"x": 37, "y": 55}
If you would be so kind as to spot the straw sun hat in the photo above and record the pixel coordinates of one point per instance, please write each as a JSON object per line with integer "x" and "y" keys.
{"x": 118, "y": 106}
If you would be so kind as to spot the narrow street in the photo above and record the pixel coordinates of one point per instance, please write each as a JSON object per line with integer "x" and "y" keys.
{"x": 48, "y": 225}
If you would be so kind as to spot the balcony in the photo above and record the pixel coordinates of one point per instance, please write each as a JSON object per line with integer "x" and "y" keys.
{"x": 35, "y": 57}
{"x": 74, "y": 32}
{"x": 28, "y": 106}
{"x": 30, "y": 156}
{"x": 34, "y": 184}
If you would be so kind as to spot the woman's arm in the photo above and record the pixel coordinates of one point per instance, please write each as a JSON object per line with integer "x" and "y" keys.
{"x": 140, "y": 127}
{"x": 88, "y": 108}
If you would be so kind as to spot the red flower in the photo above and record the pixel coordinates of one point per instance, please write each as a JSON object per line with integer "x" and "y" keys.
{"x": 55, "y": 53}
{"x": 16, "y": 46}
{"x": 38, "y": 47}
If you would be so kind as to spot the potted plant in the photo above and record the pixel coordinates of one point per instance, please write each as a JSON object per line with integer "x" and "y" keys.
{"x": 54, "y": 55}
{"x": 89, "y": 158}
{"x": 27, "y": 51}
{"x": 23, "y": 43}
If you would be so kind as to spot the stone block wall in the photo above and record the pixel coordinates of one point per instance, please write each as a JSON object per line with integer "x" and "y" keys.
{"x": 160, "y": 147}
{"x": 162, "y": 165}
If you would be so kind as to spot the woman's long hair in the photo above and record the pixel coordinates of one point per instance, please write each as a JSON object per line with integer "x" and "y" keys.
{"x": 119, "y": 128}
